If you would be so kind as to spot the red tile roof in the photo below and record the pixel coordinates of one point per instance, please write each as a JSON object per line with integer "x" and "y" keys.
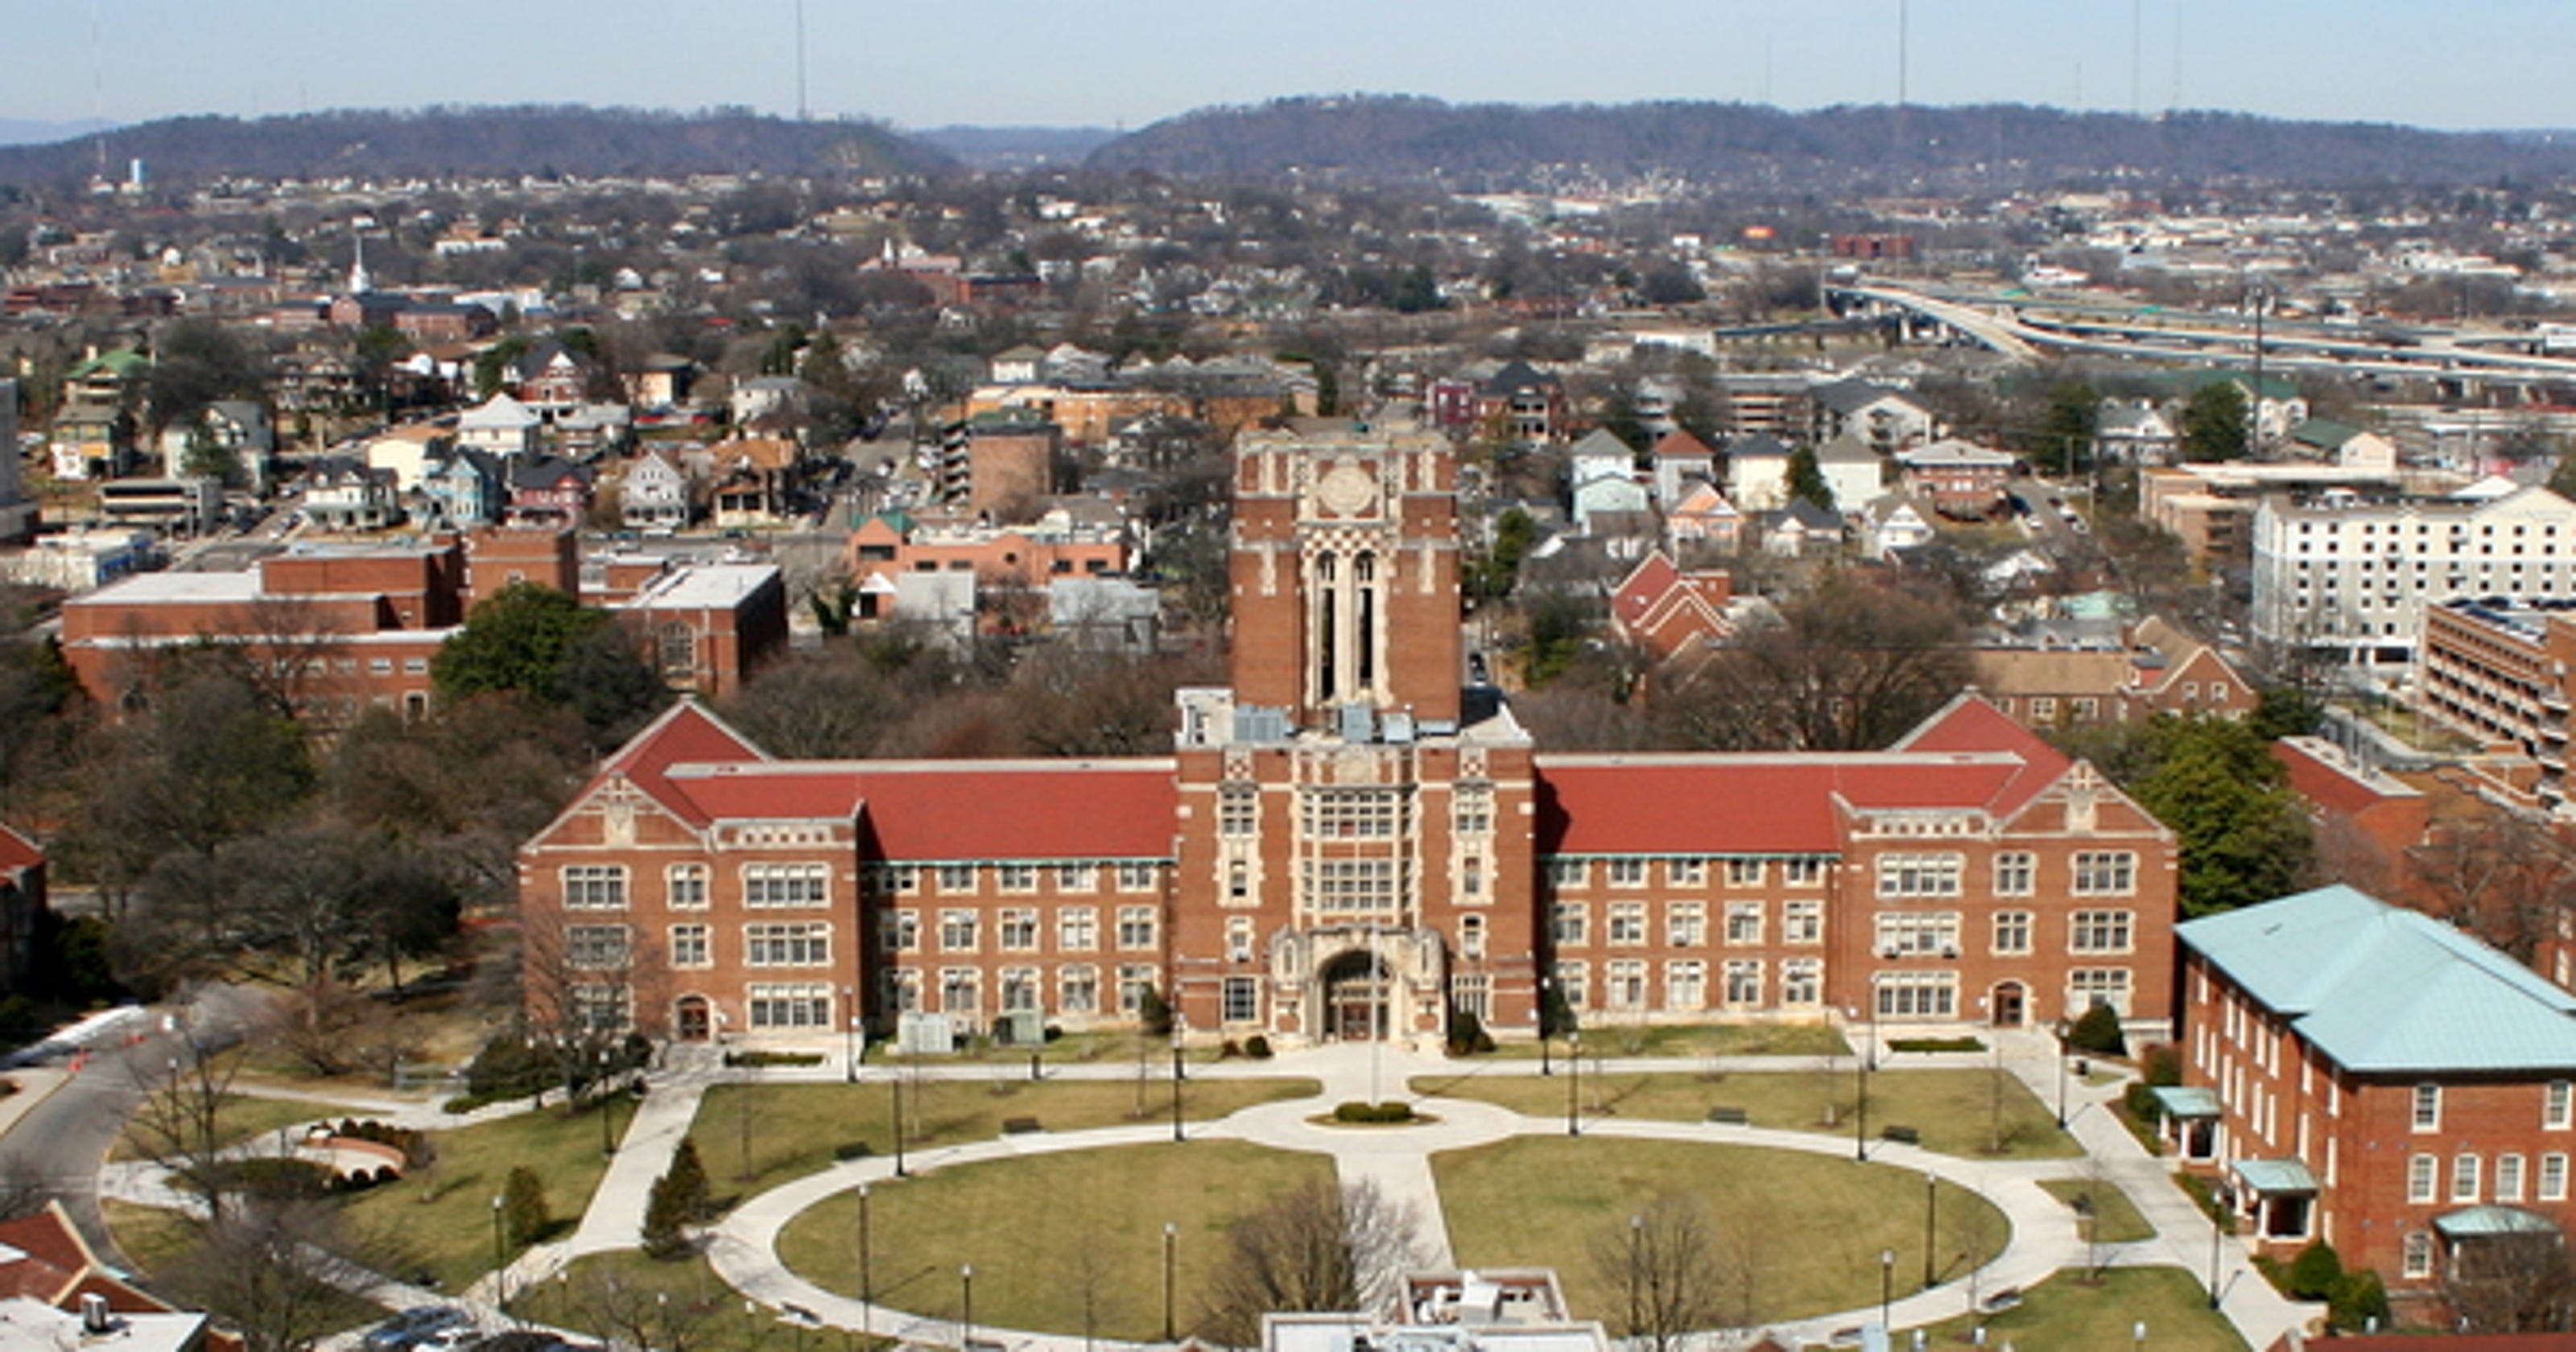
{"x": 1745, "y": 804}
{"x": 686, "y": 734}
{"x": 1679, "y": 442}
{"x": 1969, "y": 723}
{"x": 933, "y": 810}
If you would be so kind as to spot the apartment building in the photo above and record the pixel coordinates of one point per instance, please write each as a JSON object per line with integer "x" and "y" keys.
{"x": 2352, "y": 576}
{"x": 1343, "y": 846}
{"x": 2499, "y": 670}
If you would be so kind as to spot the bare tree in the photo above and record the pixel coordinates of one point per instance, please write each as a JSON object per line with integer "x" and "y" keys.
{"x": 1319, "y": 1247}
{"x": 1850, "y": 666}
{"x": 179, "y": 1122}
{"x": 2511, "y": 1283}
{"x": 1665, "y": 1261}
{"x": 275, "y": 1268}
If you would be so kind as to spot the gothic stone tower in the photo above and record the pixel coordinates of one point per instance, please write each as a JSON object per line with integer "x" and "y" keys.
{"x": 1353, "y": 861}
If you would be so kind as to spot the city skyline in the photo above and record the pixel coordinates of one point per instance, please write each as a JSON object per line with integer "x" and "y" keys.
{"x": 1127, "y": 63}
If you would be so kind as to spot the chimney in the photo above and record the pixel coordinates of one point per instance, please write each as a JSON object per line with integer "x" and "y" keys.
{"x": 94, "y": 1316}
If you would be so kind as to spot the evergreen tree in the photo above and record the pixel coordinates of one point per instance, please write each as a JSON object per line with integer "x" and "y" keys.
{"x": 678, "y": 1199}
{"x": 2213, "y": 422}
{"x": 2066, "y": 430}
{"x": 523, "y": 1207}
{"x": 2244, "y": 837}
{"x": 1807, "y": 479}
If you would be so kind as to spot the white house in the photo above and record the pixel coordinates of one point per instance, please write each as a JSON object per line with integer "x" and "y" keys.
{"x": 1895, "y": 525}
{"x": 655, "y": 494}
{"x": 500, "y": 425}
{"x": 2133, "y": 432}
{"x": 1680, "y": 460}
{"x": 1855, "y": 472}
{"x": 1889, "y": 420}
{"x": 1757, "y": 472}
{"x": 407, "y": 451}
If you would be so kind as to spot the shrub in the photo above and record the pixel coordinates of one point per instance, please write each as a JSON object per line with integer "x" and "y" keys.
{"x": 509, "y": 1067}
{"x": 852, "y": 1150}
{"x": 2162, "y": 1064}
{"x": 2315, "y": 1273}
{"x": 2098, "y": 1032}
{"x": 2141, "y": 1101}
{"x": 2358, "y": 1299}
{"x": 1257, "y": 1047}
{"x": 1373, "y": 1114}
{"x": 1229, "y": 1050}
{"x": 1934, "y": 1044}
{"x": 523, "y": 1206}
{"x": 756, "y": 1059}
{"x": 1155, "y": 1013}
{"x": 1467, "y": 1035}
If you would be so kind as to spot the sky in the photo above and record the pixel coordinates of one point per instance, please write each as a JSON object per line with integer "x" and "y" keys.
{"x": 1126, "y": 63}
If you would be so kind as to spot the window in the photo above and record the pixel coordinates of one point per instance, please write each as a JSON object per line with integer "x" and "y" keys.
{"x": 1352, "y": 814}
{"x": 1019, "y": 990}
{"x": 1241, "y": 999}
{"x": 1077, "y": 929}
{"x": 1744, "y": 922}
{"x": 1918, "y": 875}
{"x": 2099, "y": 932}
{"x": 791, "y": 1006}
{"x": 1471, "y": 877}
{"x": 1471, "y": 938}
{"x": 1238, "y": 880}
{"x": 1627, "y": 873}
{"x": 2106, "y": 873}
{"x": 786, "y": 884}
{"x": 1573, "y": 981}
{"x": 2090, "y": 986}
{"x": 1565, "y": 873}
{"x": 689, "y": 946}
{"x": 1627, "y": 923}
{"x": 1686, "y": 872}
{"x": 684, "y": 886}
{"x": 1685, "y": 924}
{"x": 1802, "y": 922}
{"x": 599, "y": 1008}
{"x": 594, "y": 887}
{"x": 596, "y": 947}
{"x": 893, "y": 880}
{"x": 1745, "y": 872}
{"x": 958, "y": 878}
{"x": 1016, "y": 877}
{"x": 957, "y": 932}
{"x": 902, "y": 989}
{"x": 2012, "y": 931}
{"x": 1808, "y": 871}
{"x": 2416, "y": 1256}
{"x": 1685, "y": 985}
{"x": 1474, "y": 809}
{"x": 1802, "y": 981}
{"x": 1238, "y": 939}
{"x": 1238, "y": 810}
{"x": 1626, "y": 987}
{"x": 2553, "y": 1177}
{"x": 1019, "y": 929}
{"x": 1573, "y": 922}
{"x": 1073, "y": 877}
{"x": 1077, "y": 990}
{"x": 2013, "y": 873}
{"x": 2464, "y": 1178}
{"x": 1918, "y": 933}
{"x": 961, "y": 991}
{"x": 1135, "y": 927}
{"x": 2423, "y": 1173}
{"x": 2428, "y": 1107}
{"x": 1347, "y": 886}
{"x": 902, "y": 932}
{"x": 2554, "y": 1105}
{"x": 1918, "y": 995}
{"x": 800, "y": 945}
{"x": 1743, "y": 982}
{"x": 2508, "y": 1178}
{"x": 2043, "y": 708}
{"x": 1134, "y": 979}
{"x": 1135, "y": 877}
{"x": 1472, "y": 993}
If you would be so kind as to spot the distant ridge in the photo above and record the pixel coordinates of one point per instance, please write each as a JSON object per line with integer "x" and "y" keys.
{"x": 1743, "y": 146}
{"x": 1016, "y": 147}
{"x": 20, "y": 132}
{"x": 582, "y": 142}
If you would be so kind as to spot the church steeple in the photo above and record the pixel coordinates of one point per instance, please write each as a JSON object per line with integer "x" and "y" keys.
{"x": 359, "y": 282}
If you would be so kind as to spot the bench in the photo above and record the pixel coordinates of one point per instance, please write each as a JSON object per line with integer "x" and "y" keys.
{"x": 1730, "y": 1117}
{"x": 1020, "y": 1126}
{"x": 1901, "y": 1135}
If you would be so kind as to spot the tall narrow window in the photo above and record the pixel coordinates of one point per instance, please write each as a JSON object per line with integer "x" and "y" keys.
{"x": 1364, "y": 575}
{"x": 1325, "y": 628}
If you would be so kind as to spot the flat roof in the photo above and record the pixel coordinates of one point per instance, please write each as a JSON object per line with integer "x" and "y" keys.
{"x": 175, "y": 589}
{"x": 710, "y": 586}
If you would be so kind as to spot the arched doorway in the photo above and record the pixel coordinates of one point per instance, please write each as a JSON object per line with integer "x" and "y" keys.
{"x": 2010, "y": 1004}
{"x": 1355, "y": 996}
{"x": 689, "y": 1019}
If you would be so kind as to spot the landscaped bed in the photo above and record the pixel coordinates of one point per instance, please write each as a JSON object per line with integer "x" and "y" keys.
{"x": 1793, "y": 1235}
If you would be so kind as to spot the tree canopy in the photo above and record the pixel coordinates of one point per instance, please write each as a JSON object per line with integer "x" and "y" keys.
{"x": 2213, "y": 422}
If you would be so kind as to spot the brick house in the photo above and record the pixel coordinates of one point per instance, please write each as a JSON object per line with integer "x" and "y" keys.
{"x": 1341, "y": 846}
{"x": 2366, "y": 1075}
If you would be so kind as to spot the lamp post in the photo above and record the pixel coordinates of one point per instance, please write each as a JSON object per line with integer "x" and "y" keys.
{"x": 500, "y": 1259}
{"x": 1931, "y": 1222}
{"x": 1860, "y": 1113}
{"x": 1574, "y": 1084}
{"x": 1886, "y": 1287}
{"x": 867, "y": 1268}
{"x": 607, "y": 1105}
{"x": 850, "y": 1039}
{"x": 2061, "y": 1074}
{"x": 1543, "y": 1067}
{"x": 1636, "y": 1258}
{"x": 2217, "y": 1232}
{"x": 2138, "y": 1334}
{"x": 966, "y": 1304}
{"x": 1171, "y": 1253}
{"x": 894, "y": 1086}
{"x": 1176, "y": 1081}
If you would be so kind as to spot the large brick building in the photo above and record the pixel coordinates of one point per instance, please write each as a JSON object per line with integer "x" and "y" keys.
{"x": 1343, "y": 841}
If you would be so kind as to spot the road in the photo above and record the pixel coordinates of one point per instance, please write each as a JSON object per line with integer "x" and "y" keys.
{"x": 62, "y": 1141}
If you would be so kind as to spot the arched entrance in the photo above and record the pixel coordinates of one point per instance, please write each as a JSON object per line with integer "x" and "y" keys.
{"x": 2011, "y": 1004}
{"x": 689, "y": 1019}
{"x": 1355, "y": 994}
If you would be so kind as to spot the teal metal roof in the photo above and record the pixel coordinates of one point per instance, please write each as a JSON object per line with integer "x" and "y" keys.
{"x": 2380, "y": 988}
{"x": 2492, "y": 1220}
{"x": 2187, "y": 1100}
{"x": 2273, "y": 1178}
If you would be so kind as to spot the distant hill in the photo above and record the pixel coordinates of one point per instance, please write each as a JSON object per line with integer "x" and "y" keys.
{"x": 1016, "y": 147}
{"x": 19, "y": 132}
{"x": 584, "y": 142}
{"x": 1750, "y": 147}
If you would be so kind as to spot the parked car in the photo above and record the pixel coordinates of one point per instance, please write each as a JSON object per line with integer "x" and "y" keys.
{"x": 414, "y": 1327}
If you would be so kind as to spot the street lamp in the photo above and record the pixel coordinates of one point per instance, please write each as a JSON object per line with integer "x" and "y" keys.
{"x": 894, "y": 1086}
{"x": 1171, "y": 1252}
{"x": 966, "y": 1317}
{"x": 607, "y": 1140}
{"x": 1860, "y": 1112}
{"x": 850, "y": 1039}
{"x": 1176, "y": 1081}
{"x": 500, "y": 1260}
{"x": 2138, "y": 1334}
{"x": 1886, "y": 1286}
{"x": 867, "y": 1268}
{"x": 1931, "y": 1221}
{"x": 2061, "y": 1074}
{"x": 1574, "y": 1085}
{"x": 1543, "y": 1067}
{"x": 1636, "y": 1256}
{"x": 2217, "y": 1230}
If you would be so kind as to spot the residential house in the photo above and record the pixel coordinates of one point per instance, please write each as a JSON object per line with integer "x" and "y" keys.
{"x": 655, "y": 494}
{"x": 1522, "y": 404}
{"x": 1801, "y": 529}
{"x": 1680, "y": 461}
{"x": 1757, "y": 472}
{"x": 2364, "y": 1075}
{"x": 547, "y": 490}
{"x": 1887, "y": 420}
{"x": 551, "y": 378}
{"x": 2279, "y": 408}
{"x": 1956, "y": 479}
{"x": 2342, "y": 445}
{"x": 1603, "y": 473}
{"x": 664, "y": 381}
{"x": 343, "y": 492}
{"x": 238, "y": 428}
{"x": 1896, "y": 525}
{"x": 1853, "y": 471}
{"x": 1668, "y": 612}
{"x": 2133, "y": 432}
{"x": 588, "y": 431}
{"x": 91, "y": 441}
{"x": 2160, "y": 670}
{"x": 499, "y": 426}
{"x": 1703, "y": 522}
{"x": 766, "y": 400}
{"x": 462, "y": 490}
{"x": 755, "y": 482}
{"x": 408, "y": 452}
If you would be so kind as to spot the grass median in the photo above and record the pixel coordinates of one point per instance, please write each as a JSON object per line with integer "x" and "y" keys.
{"x": 2068, "y": 1311}
{"x": 442, "y": 1215}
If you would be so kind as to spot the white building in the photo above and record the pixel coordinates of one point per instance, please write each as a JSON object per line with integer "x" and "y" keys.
{"x": 2352, "y": 575}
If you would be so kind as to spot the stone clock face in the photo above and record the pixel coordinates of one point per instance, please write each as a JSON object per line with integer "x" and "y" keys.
{"x": 1347, "y": 491}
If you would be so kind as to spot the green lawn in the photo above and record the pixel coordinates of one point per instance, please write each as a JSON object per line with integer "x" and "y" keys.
{"x": 442, "y": 1216}
{"x": 635, "y": 1301}
{"x": 1796, "y": 1235}
{"x": 1071, "y": 1049}
{"x": 2066, "y": 1314}
{"x": 2115, "y": 1219}
{"x": 791, "y": 1129}
{"x": 237, "y": 1117}
{"x": 155, "y": 1240}
{"x": 1957, "y": 1111}
{"x": 1693, "y": 1039}
{"x": 1096, "y": 1237}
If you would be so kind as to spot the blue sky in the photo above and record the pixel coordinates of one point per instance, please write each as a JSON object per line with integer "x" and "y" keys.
{"x": 2482, "y": 63}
